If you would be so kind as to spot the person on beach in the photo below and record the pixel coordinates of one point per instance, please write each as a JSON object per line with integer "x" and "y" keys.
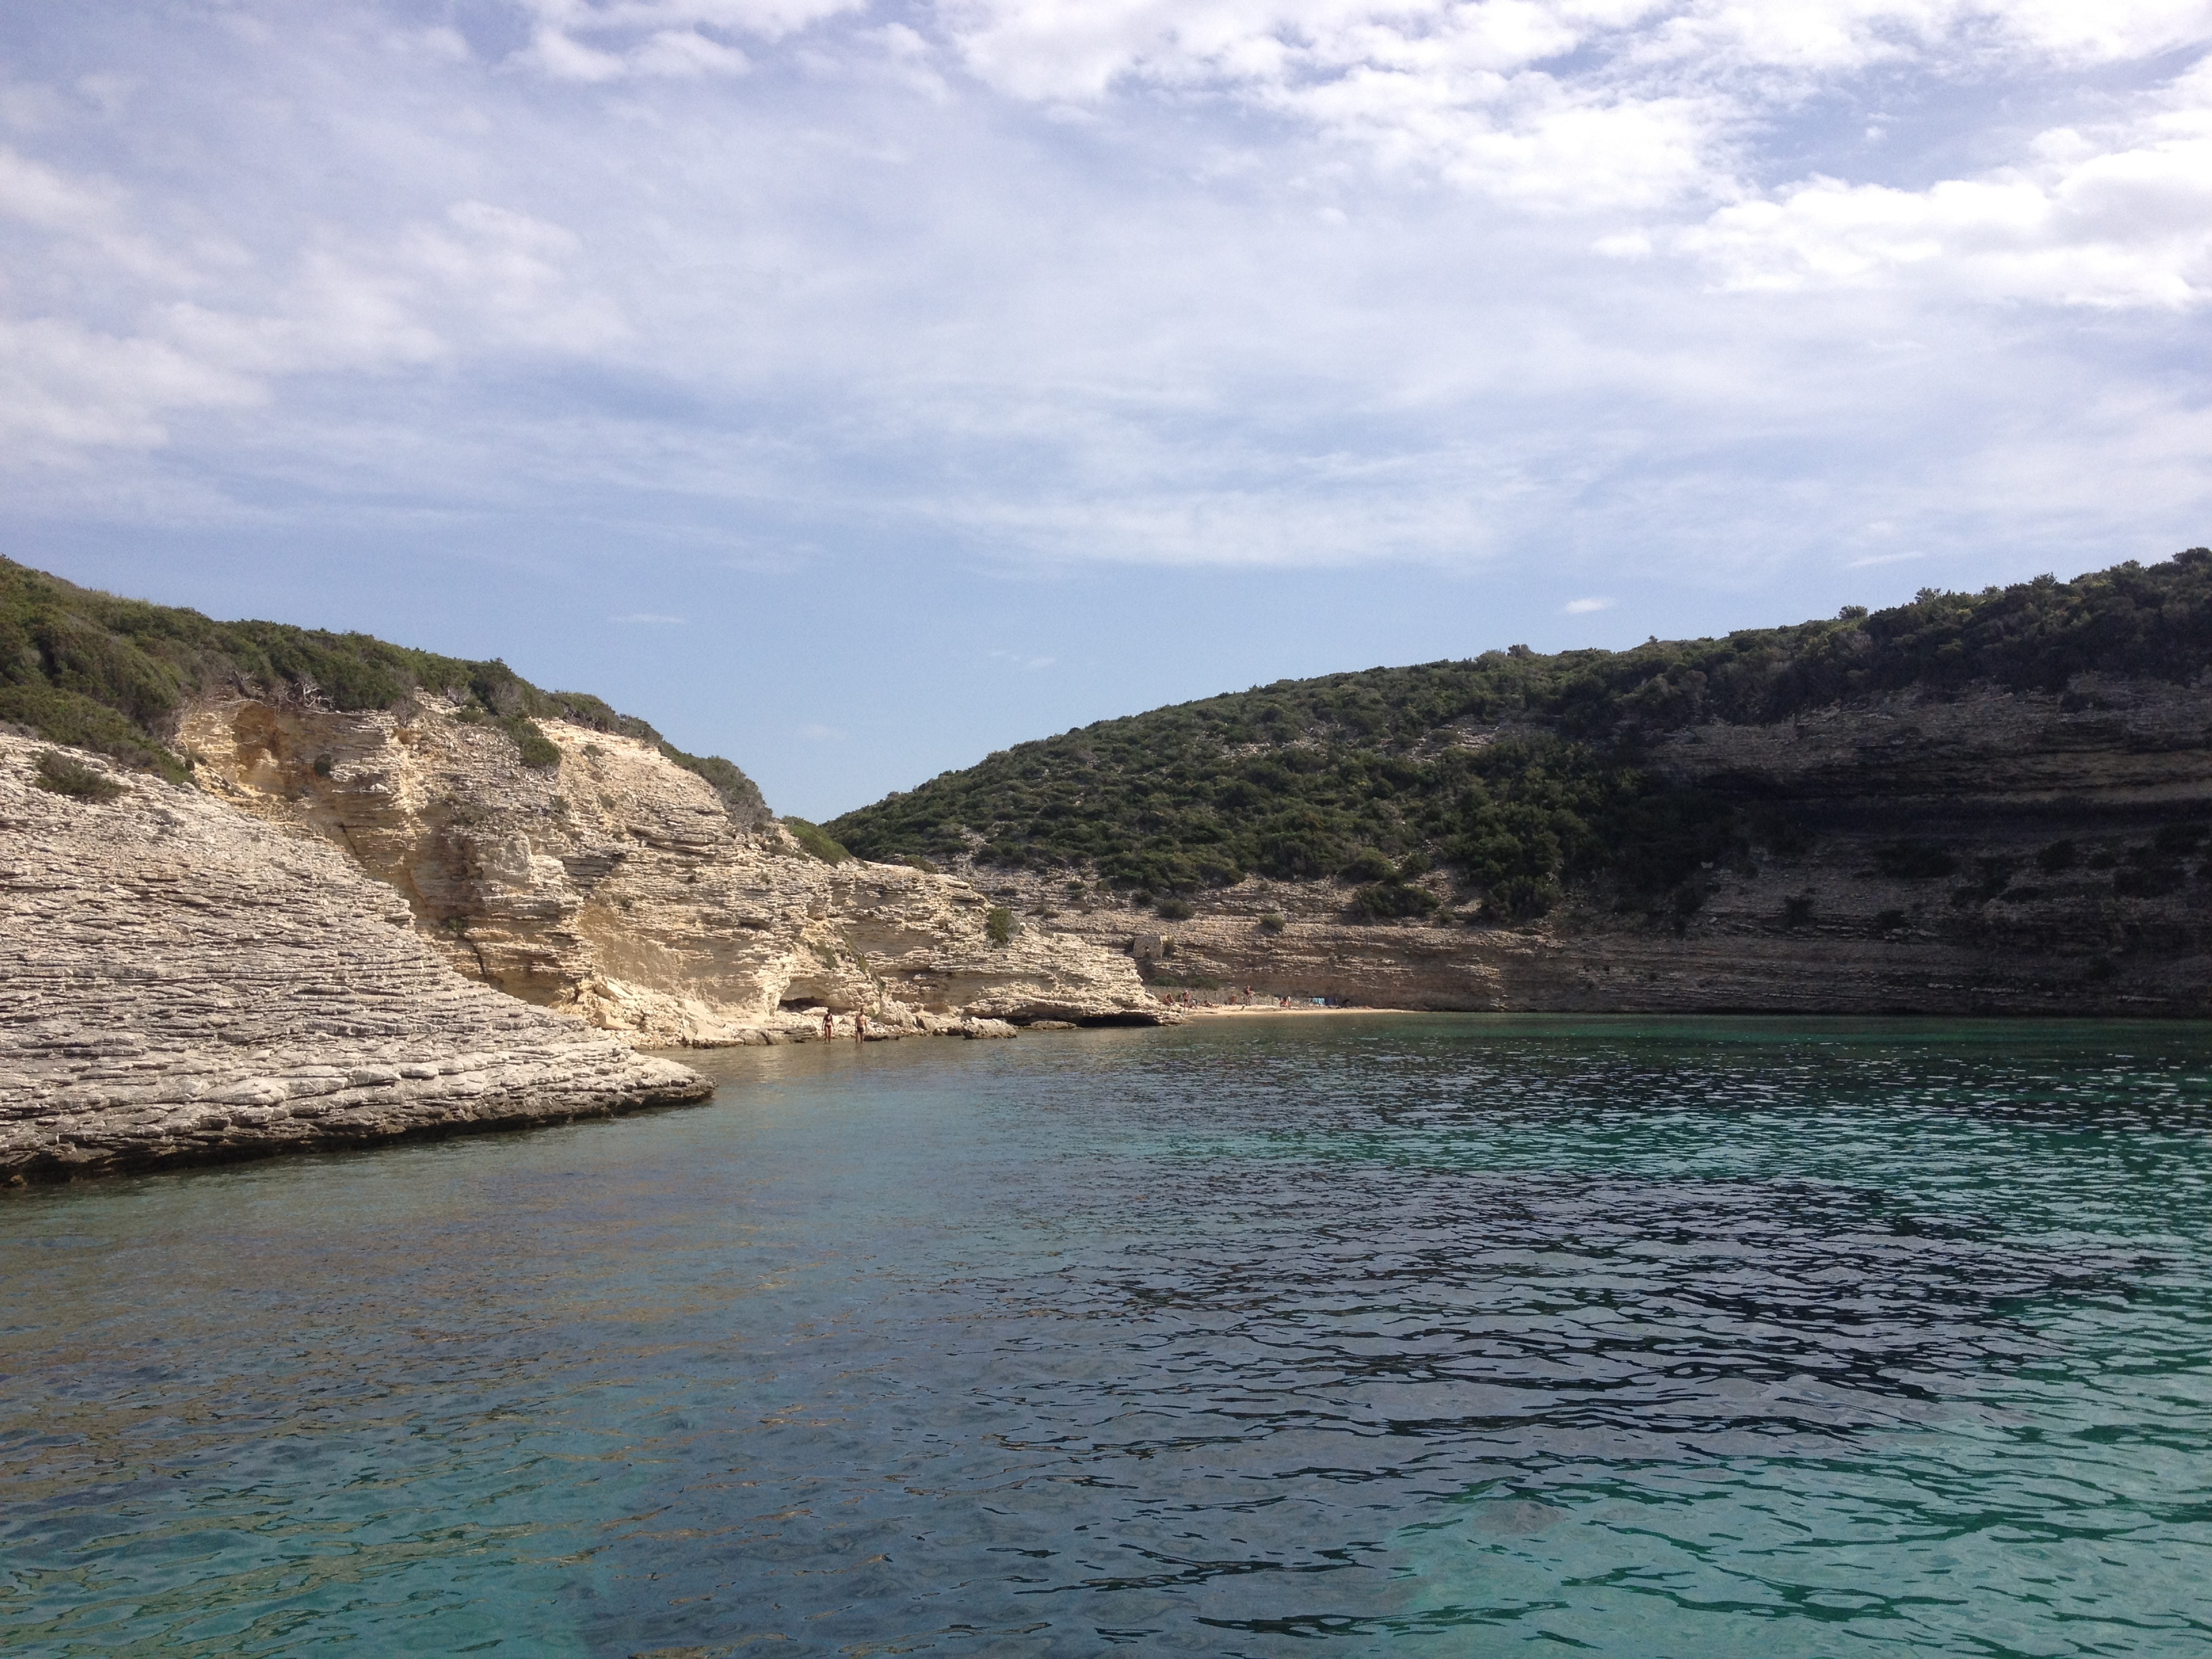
{"x": 859, "y": 1026}
{"x": 828, "y": 1025}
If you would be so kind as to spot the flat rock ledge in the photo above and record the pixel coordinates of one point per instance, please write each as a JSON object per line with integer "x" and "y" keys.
{"x": 181, "y": 983}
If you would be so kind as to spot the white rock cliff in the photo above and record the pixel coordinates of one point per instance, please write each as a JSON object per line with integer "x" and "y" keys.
{"x": 617, "y": 885}
{"x": 180, "y": 983}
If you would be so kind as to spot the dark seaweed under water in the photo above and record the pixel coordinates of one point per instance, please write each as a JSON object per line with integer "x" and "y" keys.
{"x": 1464, "y": 1336}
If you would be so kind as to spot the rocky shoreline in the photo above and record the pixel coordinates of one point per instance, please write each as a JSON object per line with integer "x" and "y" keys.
{"x": 358, "y": 928}
{"x": 618, "y": 886}
{"x": 300, "y": 952}
{"x": 1982, "y": 852}
{"x": 180, "y": 984}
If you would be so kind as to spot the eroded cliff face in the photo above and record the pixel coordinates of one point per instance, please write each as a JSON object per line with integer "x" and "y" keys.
{"x": 181, "y": 983}
{"x": 1989, "y": 853}
{"x": 616, "y": 885}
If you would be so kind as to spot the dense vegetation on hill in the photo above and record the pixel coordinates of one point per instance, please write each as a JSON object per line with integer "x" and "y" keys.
{"x": 1377, "y": 777}
{"x": 87, "y": 669}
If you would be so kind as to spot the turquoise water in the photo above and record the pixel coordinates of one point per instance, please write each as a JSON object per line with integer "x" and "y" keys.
{"x": 1449, "y": 1335}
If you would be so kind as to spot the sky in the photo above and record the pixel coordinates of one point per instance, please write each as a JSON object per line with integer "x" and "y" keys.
{"x": 854, "y": 388}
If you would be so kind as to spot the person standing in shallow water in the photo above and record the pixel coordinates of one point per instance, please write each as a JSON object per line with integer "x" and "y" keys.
{"x": 859, "y": 1026}
{"x": 828, "y": 1025}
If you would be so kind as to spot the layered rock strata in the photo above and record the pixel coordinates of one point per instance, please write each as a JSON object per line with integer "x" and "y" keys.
{"x": 1992, "y": 853}
{"x": 617, "y": 885}
{"x": 182, "y": 983}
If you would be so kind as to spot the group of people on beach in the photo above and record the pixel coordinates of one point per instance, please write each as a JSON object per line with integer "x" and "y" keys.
{"x": 1184, "y": 999}
{"x": 860, "y": 1019}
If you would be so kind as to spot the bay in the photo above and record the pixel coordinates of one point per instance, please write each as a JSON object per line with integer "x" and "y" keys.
{"x": 1454, "y": 1336}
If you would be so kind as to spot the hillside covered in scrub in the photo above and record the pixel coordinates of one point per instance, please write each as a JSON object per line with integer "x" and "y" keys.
{"x": 95, "y": 672}
{"x": 1521, "y": 773}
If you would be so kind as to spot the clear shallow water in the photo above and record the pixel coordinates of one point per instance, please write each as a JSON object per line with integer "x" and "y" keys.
{"x": 1451, "y": 1336}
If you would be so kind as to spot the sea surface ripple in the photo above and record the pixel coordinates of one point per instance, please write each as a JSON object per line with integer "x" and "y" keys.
{"x": 1450, "y": 1335}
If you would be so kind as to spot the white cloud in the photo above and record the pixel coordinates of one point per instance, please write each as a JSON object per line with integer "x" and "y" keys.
{"x": 1433, "y": 85}
{"x": 93, "y": 215}
{"x": 1478, "y": 92}
{"x": 204, "y": 329}
{"x": 438, "y": 42}
{"x": 1290, "y": 286}
{"x": 2117, "y": 217}
{"x": 43, "y": 196}
{"x": 1585, "y": 607}
{"x": 663, "y": 38}
{"x": 65, "y": 388}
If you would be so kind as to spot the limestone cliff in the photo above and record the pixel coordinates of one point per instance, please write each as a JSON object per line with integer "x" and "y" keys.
{"x": 1975, "y": 851}
{"x": 182, "y": 983}
{"x": 616, "y": 885}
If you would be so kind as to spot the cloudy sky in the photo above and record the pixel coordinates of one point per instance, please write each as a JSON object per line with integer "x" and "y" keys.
{"x": 854, "y": 388}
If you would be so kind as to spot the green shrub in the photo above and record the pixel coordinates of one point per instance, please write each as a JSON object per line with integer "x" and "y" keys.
{"x": 741, "y": 796}
{"x": 1271, "y": 923}
{"x": 1890, "y": 921}
{"x": 1686, "y": 900}
{"x": 71, "y": 717}
{"x": 1995, "y": 873}
{"x": 916, "y": 862}
{"x": 1386, "y": 900}
{"x": 1914, "y": 860}
{"x": 1173, "y": 909}
{"x": 817, "y": 841}
{"x": 1306, "y": 779}
{"x": 65, "y": 775}
{"x": 539, "y": 751}
{"x": 92, "y": 670}
{"x": 325, "y": 765}
{"x": 998, "y": 924}
{"x": 2149, "y": 880}
{"x": 1174, "y": 981}
{"x": 2059, "y": 855}
{"x": 1523, "y": 898}
{"x": 1796, "y": 909}
{"x": 1368, "y": 864}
